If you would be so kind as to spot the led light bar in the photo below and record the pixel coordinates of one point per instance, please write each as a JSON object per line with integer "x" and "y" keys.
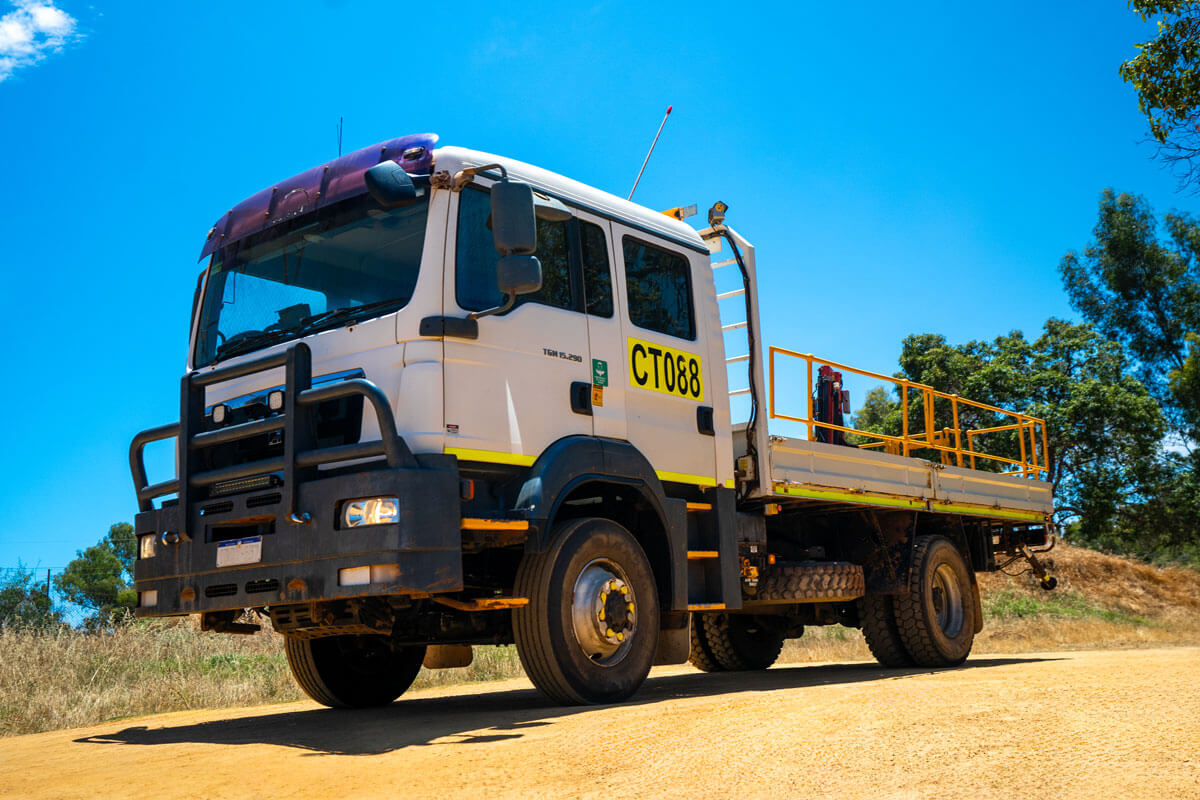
{"x": 244, "y": 485}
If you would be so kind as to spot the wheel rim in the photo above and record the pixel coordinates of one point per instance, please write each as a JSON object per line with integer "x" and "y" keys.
{"x": 603, "y": 610}
{"x": 947, "y": 600}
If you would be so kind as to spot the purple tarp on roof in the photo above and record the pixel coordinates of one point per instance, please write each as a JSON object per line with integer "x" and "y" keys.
{"x": 318, "y": 187}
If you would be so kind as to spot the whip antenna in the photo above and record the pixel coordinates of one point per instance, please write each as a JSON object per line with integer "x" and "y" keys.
{"x": 644, "y": 163}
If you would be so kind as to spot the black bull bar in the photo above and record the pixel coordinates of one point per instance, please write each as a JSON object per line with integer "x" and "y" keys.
{"x": 304, "y": 551}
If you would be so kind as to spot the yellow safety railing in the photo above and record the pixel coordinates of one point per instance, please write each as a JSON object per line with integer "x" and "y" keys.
{"x": 949, "y": 442}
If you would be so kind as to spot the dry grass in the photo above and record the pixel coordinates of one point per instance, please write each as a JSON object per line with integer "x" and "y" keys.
{"x": 65, "y": 678}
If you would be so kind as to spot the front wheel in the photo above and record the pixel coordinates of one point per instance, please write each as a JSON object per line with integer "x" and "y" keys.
{"x": 590, "y": 630}
{"x": 936, "y": 618}
{"x": 353, "y": 671}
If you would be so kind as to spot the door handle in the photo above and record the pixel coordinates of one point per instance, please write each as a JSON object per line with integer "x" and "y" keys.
{"x": 581, "y": 398}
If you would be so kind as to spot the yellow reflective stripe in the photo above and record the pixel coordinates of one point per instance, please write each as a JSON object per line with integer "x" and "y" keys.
{"x": 495, "y": 457}
{"x": 476, "y": 524}
{"x": 867, "y": 498}
{"x": 729, "y": 483}
{"x": 490, "y": 456}
{"x": 849, "y": 497}
{"x": 987, "y": 511}
{"x": 683, "y": 477}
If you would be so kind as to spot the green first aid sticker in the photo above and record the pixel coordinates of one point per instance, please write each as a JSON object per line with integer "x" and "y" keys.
{"x": 599, "y": 372}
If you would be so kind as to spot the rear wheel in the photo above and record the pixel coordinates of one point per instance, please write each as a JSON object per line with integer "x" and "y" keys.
{"x": 741, "y": 641}
{"x": 353, "y": 671}
{"x": 936, "y": 619}
{"x": 700, "y": 654}
{"x": 879, "y": 629}
{"x": 590, "y": 630}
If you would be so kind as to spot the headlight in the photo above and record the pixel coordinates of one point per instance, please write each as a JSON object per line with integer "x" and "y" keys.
{"x": 146, "y": 546}
{"x": 370, "y": 511}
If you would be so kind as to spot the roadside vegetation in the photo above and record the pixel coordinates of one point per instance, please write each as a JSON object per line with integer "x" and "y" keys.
{"x": 53, "y": 676}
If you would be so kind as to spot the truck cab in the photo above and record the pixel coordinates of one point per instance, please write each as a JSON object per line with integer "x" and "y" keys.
{"x": 438, "y": 398}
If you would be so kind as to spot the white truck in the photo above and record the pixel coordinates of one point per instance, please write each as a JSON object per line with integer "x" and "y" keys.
{"x": 438, "y": 398}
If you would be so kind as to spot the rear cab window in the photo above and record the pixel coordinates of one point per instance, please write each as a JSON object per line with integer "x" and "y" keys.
{"x": 658, "y": 287}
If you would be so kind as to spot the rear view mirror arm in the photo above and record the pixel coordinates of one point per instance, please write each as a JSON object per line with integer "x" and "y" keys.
{"x": 465, "y": 176}
{"x": 509, "y": 301}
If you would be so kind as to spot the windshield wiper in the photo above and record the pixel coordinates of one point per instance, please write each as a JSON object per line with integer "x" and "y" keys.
{"x": 241, "y": 344}
{"x": 337, "y": 316}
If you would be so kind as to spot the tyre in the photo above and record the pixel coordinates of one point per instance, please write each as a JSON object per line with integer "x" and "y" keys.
{"x": 353, "y": 671}
{"x": 590, "y": 630}
{"x": 878, "y": 620}
{"x": 936, "y": 619}
{"x": 701, "y": 654}
{"x": 811, "y": 580}
{"x": 740, "y": 641}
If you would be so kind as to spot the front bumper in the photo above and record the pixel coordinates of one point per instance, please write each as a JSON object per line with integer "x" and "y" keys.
{"x": 300, "y": 561}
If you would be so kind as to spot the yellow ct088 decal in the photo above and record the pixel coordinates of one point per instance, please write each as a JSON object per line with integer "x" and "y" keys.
{"x": 661, "y": 369}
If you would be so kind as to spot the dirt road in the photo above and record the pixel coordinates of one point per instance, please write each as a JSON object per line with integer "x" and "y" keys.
{"x": 1061, "y": 725}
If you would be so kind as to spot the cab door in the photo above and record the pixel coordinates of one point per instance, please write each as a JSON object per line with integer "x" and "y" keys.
{"x": 593, "y": 253}
{"x": 669, "y": 392}
{"x": 526, "y": 380}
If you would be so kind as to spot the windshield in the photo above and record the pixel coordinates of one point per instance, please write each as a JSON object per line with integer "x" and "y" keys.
{"x": 342, "y": 265}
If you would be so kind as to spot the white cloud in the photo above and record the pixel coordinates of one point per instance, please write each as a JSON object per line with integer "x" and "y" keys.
{"x": 31, "y": 31}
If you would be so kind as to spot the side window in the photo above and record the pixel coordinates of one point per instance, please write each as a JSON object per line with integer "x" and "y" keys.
{"x": 659, "y": 288}
{"x": 475, "y": 262}
{"x": 597, "y": 282}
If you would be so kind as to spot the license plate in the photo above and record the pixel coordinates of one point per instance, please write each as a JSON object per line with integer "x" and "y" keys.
{"x": 239, "y": 551}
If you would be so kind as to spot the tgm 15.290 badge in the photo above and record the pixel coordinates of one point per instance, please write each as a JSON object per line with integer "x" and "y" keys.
{"x": 661, "y": 369}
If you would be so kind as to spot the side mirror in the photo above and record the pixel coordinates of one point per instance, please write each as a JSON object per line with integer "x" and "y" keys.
{"x": 518, "y": 274}
{"x": 390, "y": 184}
{"x": 514, "y": 232}
{"x": 514, "y": 225}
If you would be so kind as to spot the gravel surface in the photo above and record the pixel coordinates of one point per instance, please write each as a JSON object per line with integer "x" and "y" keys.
{"x": 1120, "y": 724}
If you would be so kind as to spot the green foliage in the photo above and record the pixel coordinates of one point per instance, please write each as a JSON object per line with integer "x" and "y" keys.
{"x": 100, "y": 578}
{"x": 1165, "y": 74}
{"x": 1185, "y": 387}
{"x": 24, "y": 601}
{"x": 1012, "y": 604}
{"x": 1142, "y": 292}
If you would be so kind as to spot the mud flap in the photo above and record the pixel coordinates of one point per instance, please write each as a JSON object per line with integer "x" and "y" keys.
{"x": 977, "y": 598}
{"x": 674, "y": 643}
{"x": 448, "y": 656}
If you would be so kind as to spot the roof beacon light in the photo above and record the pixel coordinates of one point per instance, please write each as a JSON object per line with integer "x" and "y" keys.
{"x": 682, "y": 212}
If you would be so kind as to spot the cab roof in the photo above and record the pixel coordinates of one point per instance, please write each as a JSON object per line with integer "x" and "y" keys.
{"x": 342, "y": 178}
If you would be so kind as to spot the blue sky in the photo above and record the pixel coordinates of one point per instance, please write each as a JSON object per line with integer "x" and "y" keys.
{"x": 899, "y": 168}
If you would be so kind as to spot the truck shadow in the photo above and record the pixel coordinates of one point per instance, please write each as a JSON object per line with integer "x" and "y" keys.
{"x": 487, "y": 717}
